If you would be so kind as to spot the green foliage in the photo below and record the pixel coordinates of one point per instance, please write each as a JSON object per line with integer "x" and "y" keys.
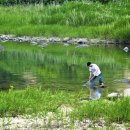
{"x": 111, "y": 111}
{"x": 71, "y": 19}
{"x": 33, "y": 101}
{"x": 102, "y": 1}
{"x": 46, "y": 2}
{"x": 14, "y": 2}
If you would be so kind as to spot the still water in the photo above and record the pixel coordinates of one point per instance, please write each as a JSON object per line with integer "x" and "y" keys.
{"x": 61, "y": 67}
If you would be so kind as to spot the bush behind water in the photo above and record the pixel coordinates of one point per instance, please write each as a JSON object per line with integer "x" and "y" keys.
{"x": 13, "y": 2}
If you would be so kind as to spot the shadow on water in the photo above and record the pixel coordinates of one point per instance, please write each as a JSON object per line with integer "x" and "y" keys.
{"x": 7, "y": 78}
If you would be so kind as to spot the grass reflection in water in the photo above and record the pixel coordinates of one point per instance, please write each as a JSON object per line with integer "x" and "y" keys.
{"x": 57, "y": 66}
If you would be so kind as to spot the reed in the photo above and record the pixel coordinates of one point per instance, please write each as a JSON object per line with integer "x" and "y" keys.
{"x": 73, "y": 19}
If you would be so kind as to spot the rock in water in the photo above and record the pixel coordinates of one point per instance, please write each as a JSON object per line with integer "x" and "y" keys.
{"x": 126, "y": 49}
{"x": 127, "y": 92}
{"x": 113, "y": 95}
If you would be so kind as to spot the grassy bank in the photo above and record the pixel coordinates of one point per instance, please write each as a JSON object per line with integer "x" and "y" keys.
{"x": 34, "y": 100}
{"x": 72, "y": 19}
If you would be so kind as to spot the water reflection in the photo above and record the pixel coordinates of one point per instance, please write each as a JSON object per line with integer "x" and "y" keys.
{"x": 7, "y": 78}
{"x": 56, "y": 69}
{"x": 29, "y": 78}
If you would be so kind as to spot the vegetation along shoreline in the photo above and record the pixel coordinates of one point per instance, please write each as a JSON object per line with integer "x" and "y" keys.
{"x": 42, "y": 41}
{"x": 55, "y": 101}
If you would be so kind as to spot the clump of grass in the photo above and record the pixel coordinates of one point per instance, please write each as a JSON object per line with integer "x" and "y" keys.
{"x": 32, "y": 101}
{"x": 111, "y": 111}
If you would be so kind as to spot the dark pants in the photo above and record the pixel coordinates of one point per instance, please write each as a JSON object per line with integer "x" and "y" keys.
{"x": 92, "y": 83}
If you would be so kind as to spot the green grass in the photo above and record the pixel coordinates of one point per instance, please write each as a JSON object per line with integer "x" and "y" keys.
{"x": 111, "y": 111}
{"x": 72, "y": 19}
{"x": 33, "y": 100}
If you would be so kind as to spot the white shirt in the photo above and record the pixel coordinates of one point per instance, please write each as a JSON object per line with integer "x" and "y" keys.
{"x": 95, "y": 70}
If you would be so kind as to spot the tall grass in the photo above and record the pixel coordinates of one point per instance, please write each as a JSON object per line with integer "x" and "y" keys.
{"x": 111, "y": 111}
{"x": 33, "y": 101}
{"x": 74, "y": 19}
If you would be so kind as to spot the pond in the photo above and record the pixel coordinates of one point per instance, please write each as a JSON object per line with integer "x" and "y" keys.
{"x": 61, "y": 67}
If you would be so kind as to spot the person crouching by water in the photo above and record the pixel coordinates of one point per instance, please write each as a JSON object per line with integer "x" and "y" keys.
{"x": 95, "y": 72}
